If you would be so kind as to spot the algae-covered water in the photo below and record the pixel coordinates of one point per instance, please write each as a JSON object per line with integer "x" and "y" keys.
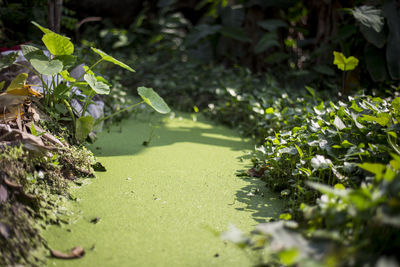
{"x": 159, "y": 205}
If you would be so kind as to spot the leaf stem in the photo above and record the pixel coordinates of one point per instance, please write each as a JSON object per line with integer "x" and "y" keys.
{"x": 119, "y": 111}
{"x": 87, "y": 102}
{"x": 71, "y": 113}
{"x": 343, "y": 82}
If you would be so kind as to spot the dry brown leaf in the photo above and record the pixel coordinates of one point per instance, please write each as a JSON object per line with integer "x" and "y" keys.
{"x": 76, "y": 252}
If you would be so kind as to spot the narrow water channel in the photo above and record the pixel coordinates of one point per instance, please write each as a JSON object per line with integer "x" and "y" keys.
{"x": 159, "y": 205}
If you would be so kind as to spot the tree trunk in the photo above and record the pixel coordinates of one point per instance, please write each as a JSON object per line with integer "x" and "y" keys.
{"x": 54, "y": 9}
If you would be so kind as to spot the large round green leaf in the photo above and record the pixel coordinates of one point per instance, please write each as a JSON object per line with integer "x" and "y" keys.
{"x": 30, "y": 51}
{"x": 99, "y": 87}
{"x": 84, "y": 125}
{"x": 58, "y": 45}
{"x": 67, "y": 60}
{"x": 109, "y": 58}
{"x": 153, "y": 100}
{"x": 42, "y": 64}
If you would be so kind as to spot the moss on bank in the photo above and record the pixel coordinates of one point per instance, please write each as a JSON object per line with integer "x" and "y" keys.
{"x": 32, "y": 189}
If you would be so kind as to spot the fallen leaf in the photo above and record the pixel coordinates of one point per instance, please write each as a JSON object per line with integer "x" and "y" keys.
{"x": 76, "y": 253}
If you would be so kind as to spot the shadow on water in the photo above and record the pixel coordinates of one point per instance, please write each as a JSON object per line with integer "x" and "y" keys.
{"x": 261, "y": 202}
{"x": 127, "y": 138}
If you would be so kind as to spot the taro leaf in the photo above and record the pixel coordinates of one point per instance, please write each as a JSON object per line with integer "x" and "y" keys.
{"x": 109, "y": 58}
{"x": 153, "y": 100}
{"x": 376, "y": 63}
{"x": 43, "y": 29}
{"x": 58, "y": 45}
{"x": 272, "y": 24}
{"x": 393, "y": 48}
{"x": 268, "y": 40}
{"x": 84, "y": 126}
{"x": 18, "y": 82}
{"x": 42, "y": 64}
{"x": 369, "y": 17}
{"x": 376, "y": 38}
{"x": 99, "y": 87}
{"x": 344, "y": 63}
{"x": 8, "y": 60}
{"x": 339, "y": 123}
{"x": 30, "y": 51}
{"x": 235, "y": 33}
{"x": 67, "y": 60}
{"x": 319, "y": 162}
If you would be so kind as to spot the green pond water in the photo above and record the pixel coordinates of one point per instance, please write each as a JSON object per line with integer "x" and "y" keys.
{"x": 159, "y": 205}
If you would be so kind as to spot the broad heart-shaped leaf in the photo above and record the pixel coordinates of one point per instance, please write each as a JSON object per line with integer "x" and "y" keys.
{"x": 344, "y": 63}
{"x": 369, "y": 16}
{"x": 18, "y": 82}
{"x": 84, "y": 126}
{"x": 29, "y": 51}
{"x": 42, "y": 64}
{"x": 153, "y": 100}
{"x": 58, "y": 45}
{"x": 376, "y": 38}
{"x": 109, "y": 58}
{"x": 67, "y": 60}
{"x": 99, "y": 87}
{"x": 43, "y": 29}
